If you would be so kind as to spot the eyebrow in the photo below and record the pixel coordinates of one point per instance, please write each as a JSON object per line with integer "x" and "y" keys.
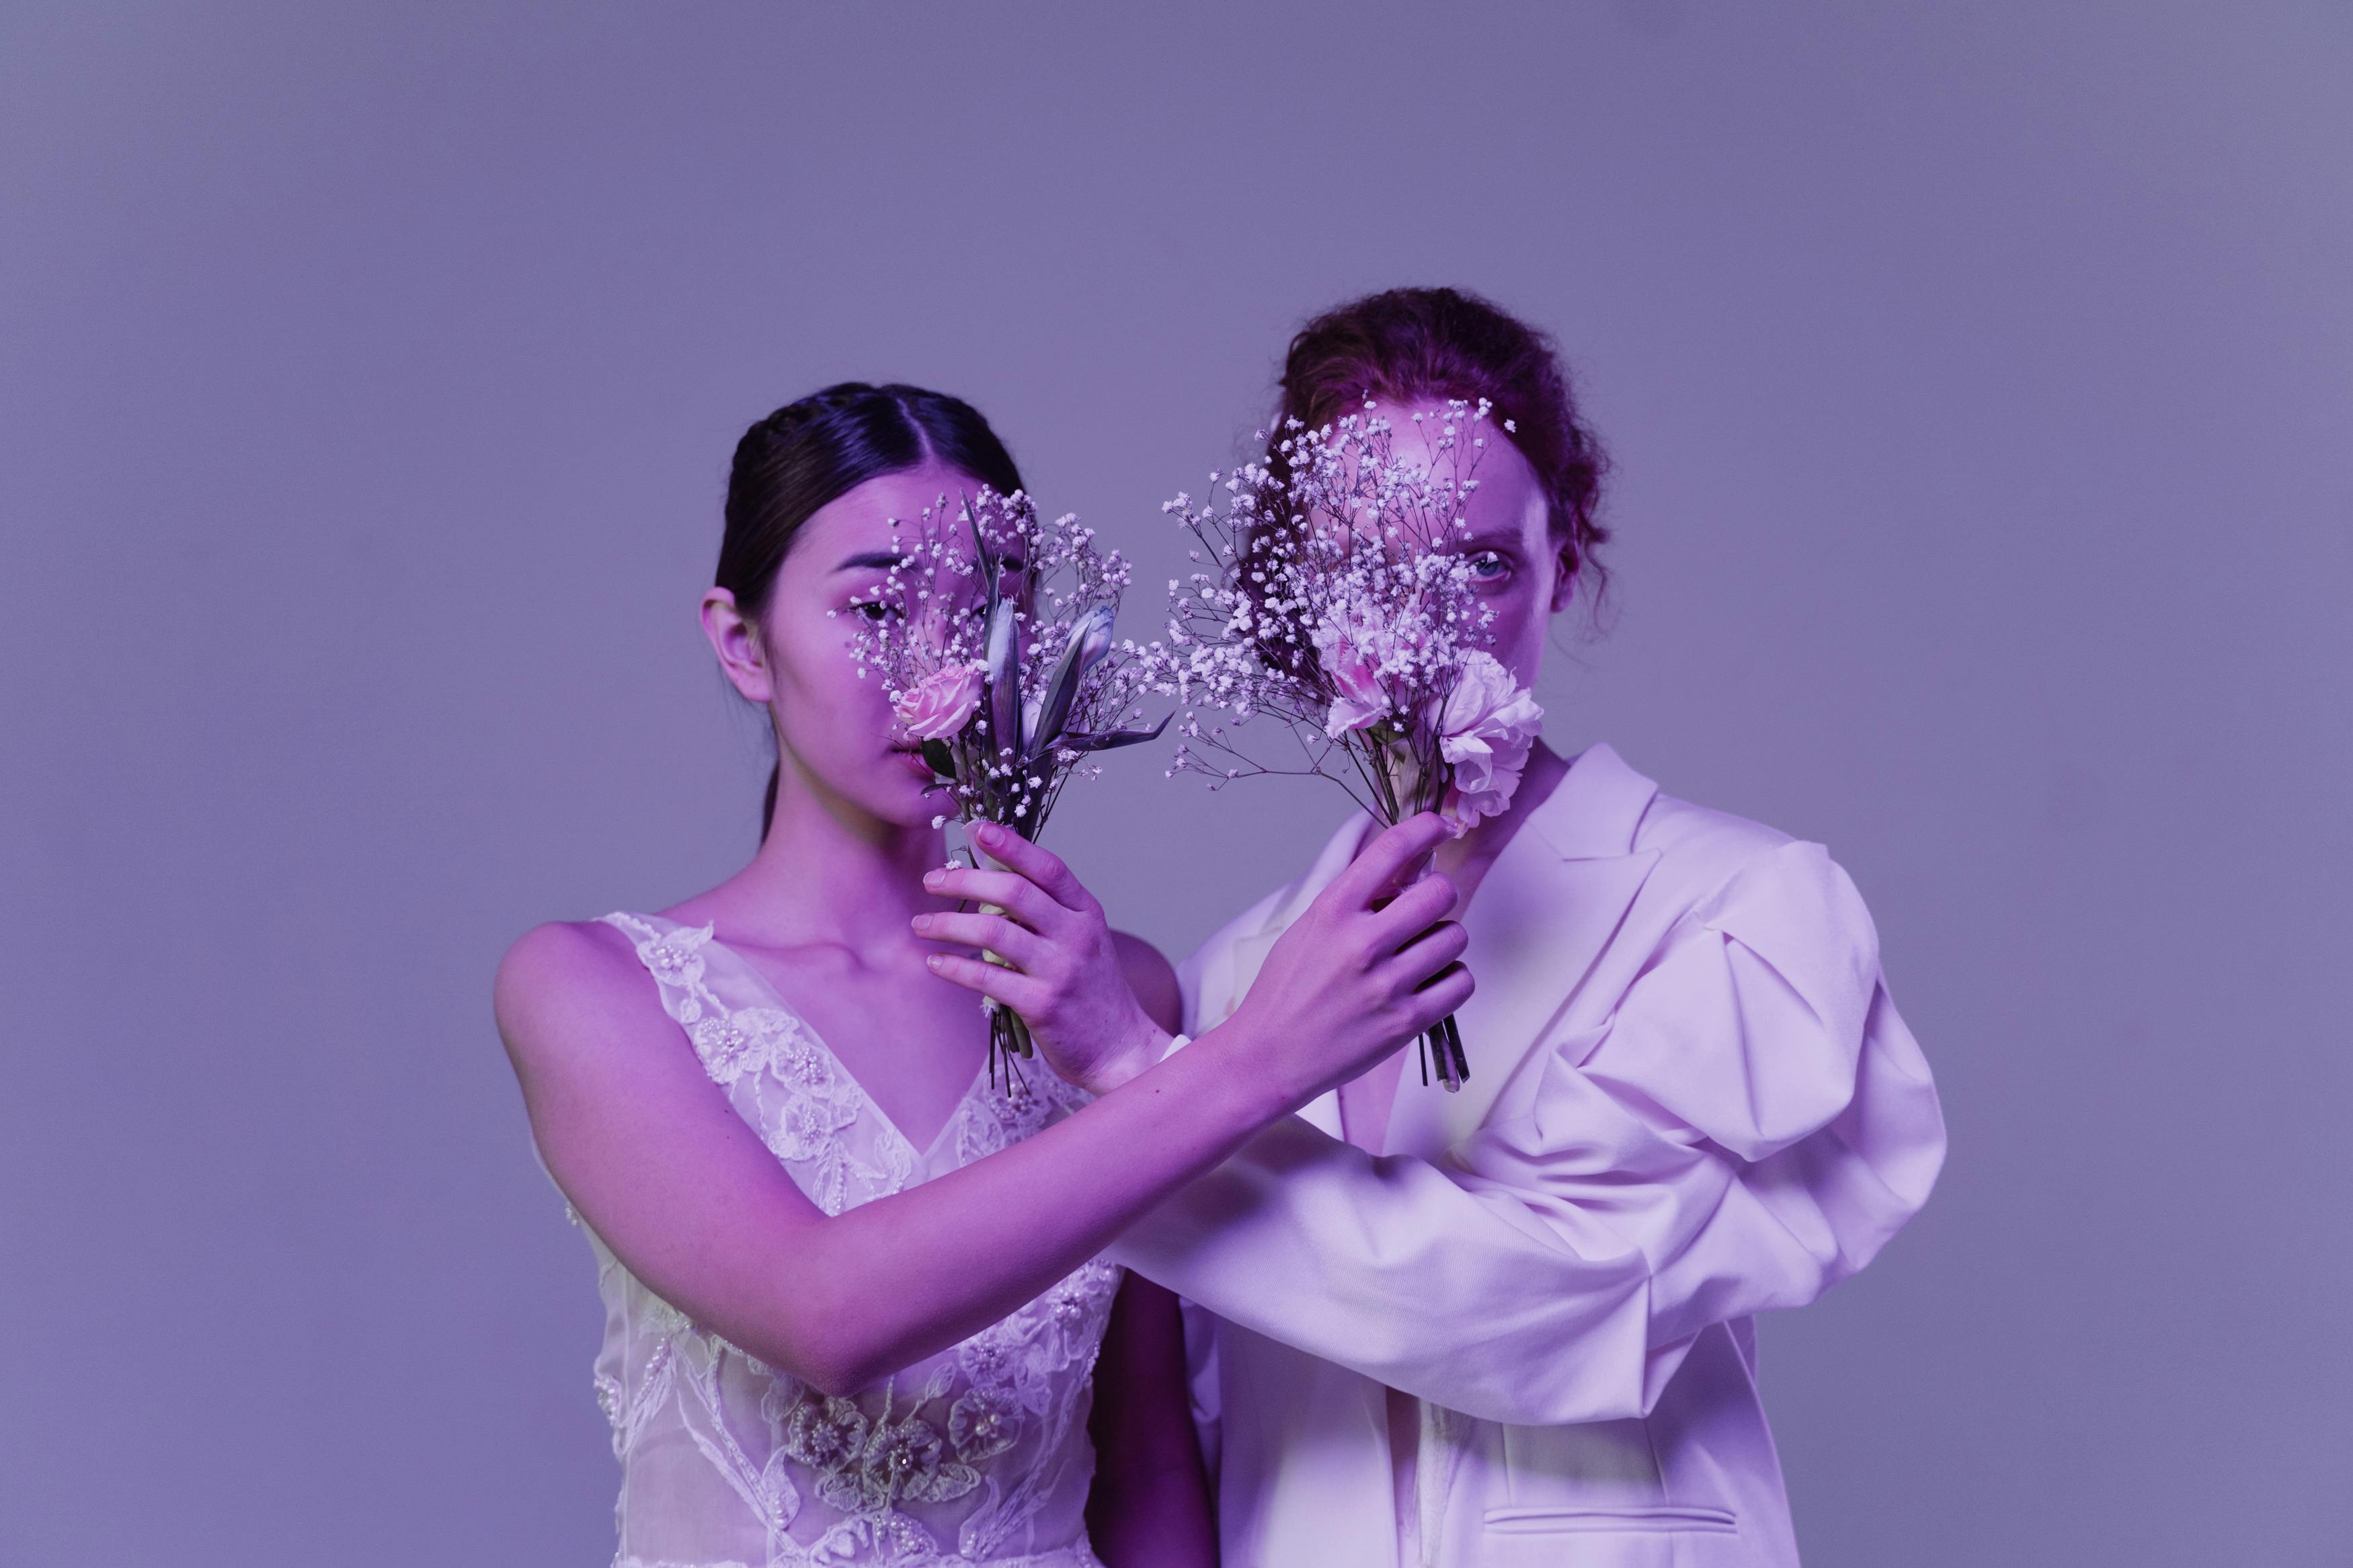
{"x": 872, "y": 559}
{"x": 884, "y": 560}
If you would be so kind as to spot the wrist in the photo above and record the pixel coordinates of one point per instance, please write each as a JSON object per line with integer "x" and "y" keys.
{"x": 1210, "y": 1098}
{"x": 1145, "y": 1042}
{"x": 1242, "y": 1060}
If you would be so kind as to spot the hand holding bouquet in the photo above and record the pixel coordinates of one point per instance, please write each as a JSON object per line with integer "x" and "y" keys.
{"x": 992, "y": 637}
{"x": 1335, "y": 598}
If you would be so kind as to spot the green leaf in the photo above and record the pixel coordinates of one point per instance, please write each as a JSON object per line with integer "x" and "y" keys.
{"x": 1109, "y": 739}
{"x": 1090, "y": 639}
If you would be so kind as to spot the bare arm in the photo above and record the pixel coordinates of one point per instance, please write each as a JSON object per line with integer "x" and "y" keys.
{"x": 1150, "y": 1504}
{"x": 1745, "y": 1133}
{"x": 686, "y": 1195}
{"x": 1750, "y": 1127}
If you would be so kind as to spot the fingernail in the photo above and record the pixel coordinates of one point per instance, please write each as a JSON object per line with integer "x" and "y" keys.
{"x": 922, "y": 923}
{"x": 930, "y": 961}
{"x": 933, "y": 878}
{"x": 987, "y": 832}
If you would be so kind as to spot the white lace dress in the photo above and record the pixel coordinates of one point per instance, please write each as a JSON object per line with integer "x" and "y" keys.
{"x": 979, "y": 1454}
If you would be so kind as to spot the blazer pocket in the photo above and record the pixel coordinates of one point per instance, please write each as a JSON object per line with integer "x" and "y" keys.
{"x": 1648, "y": 1519}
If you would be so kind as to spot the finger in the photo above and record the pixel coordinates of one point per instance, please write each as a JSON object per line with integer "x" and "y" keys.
{"x": 1040, "y": 864}
{"x": 995, "y": 932}
{"x": 1415, "y": 871}
{"x": 1011, "y": 986}
{"x": 1383, "y": 865}
{"x": 1008, "y": 890}
{"x": 1427, "y": 953}
{"x": 1444, "y": 993}
{"x": 1415, "y": 910}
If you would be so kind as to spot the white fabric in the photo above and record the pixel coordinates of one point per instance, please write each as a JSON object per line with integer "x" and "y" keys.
{"x": 978, "y": 1455}
{"x": 1691, "y": 1101}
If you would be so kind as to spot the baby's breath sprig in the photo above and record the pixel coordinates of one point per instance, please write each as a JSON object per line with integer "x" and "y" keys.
{"x": 1335, "y": 595}
{"x": 991, "y": 635}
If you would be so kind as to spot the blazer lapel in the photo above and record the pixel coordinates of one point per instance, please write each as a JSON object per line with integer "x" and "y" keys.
{"x": 1545, "y": 912}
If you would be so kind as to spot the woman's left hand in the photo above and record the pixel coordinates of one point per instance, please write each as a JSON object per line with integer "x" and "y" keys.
{"x": 1064, "y": 976}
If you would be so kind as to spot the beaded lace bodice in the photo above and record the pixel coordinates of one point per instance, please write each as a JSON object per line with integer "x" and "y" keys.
{"x": 977, "y": 1455}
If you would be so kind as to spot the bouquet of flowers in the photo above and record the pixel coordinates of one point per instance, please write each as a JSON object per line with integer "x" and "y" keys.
{"x": 1335, "y": 598}
{"x": 992, "y": 636}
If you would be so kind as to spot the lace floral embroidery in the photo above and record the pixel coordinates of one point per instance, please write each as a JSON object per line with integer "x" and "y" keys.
{"x": 674, "y": 957}
{"x": 955, "y": 1459}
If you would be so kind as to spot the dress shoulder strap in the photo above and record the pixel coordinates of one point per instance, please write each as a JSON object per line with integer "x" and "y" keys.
{"x": 777, "y": 1073}
{"x": 672, "y": 954}
{"x": 732, "y": 1041}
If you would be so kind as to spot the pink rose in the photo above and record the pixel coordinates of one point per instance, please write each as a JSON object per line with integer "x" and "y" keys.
{"x": 1489, "y": 724}
{"x": 936, "y": 707}
{"x": 1361, "y": 700}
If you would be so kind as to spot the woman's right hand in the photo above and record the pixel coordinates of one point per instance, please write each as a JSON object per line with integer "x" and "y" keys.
{"x": 1370, "y": 965}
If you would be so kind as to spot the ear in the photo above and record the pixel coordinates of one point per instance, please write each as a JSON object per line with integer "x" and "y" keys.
{"x": 1564, "y": 575}
{"x": 736, "y": 638}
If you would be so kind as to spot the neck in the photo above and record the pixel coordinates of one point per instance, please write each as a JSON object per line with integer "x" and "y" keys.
{"x": 829, "y": 871}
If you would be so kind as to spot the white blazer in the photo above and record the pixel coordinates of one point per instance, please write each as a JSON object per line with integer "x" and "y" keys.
{"x": 1690, "y": 1100}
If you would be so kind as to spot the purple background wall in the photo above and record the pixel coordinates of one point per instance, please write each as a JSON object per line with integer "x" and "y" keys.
{"x": 1979, "y": 379}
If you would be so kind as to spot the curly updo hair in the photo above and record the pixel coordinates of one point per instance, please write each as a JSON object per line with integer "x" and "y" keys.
{"x": 1406, "y": 345}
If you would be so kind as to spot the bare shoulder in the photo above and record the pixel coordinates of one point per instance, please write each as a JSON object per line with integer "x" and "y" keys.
{"x": 550, "y": 960}
{"x": 567, "y": 984}
{"x": 1152, "y": 978}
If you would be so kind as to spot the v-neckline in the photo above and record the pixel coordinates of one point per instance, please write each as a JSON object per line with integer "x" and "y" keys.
{"x": 922, "y": 1153}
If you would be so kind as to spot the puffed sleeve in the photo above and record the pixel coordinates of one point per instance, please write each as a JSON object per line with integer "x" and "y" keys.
{"x": 1749, "y": 1126}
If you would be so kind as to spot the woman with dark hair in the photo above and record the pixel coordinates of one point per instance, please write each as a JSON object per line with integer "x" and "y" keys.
{"x": 853, "y": 1297}
{"x": 1513, "y": 1325}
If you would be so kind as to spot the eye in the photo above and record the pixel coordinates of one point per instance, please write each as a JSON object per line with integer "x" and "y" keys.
{"x": 1489, "y": 566}
{"x": 873, "y": 611}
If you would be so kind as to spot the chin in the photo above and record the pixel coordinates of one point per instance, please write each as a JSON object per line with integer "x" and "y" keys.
{"x": 902, "y": 802}
{"x": 889, "y": 790}
{"x": 916, "y": 808}
{"x": 912, "y": 801}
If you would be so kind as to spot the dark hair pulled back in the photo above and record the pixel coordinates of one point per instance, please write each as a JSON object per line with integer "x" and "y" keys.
{"x": 1407, "y": 344}
{"x": 813, "y": 452}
